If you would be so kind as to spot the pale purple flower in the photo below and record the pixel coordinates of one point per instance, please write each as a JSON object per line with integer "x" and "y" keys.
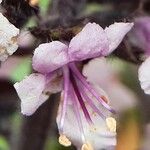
{"x": 140, "y": 34}
{"x": 140, "y": 37}
{"x": 84, "y": 116}
{"x": 144, "y": 75}
{"x": 25, "y": 39}
{"x": 8, "y": 38}
{"x": 109, "y": 81}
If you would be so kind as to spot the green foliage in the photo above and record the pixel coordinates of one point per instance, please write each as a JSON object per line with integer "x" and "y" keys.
{"x": 3, "y": 144}
{"x": 43, "y": 4}
{"x": 92, "y": 7}
{"x": 22, "y": 70}
{"x": 52, "y": 144}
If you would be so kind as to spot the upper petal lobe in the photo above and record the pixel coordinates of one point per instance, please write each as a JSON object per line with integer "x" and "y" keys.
{"x": 116, "y": 33}
{"x": 90, "y": 42}
{"x": 50, "y": 56}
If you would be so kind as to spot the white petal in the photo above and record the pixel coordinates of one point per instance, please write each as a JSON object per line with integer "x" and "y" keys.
{"x": 144, "y": 75}
{"x": 98, "y": 136}
{"x": 116, "y": 33}
{"x": 101, "y": 73}
{"x": 90, "y": 42}
{"x": 8, "y": 38}
{"x": 30, "y": 91}
{"x": 48, "y": 57}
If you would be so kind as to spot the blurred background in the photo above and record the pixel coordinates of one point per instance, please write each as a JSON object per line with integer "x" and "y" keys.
{"x": 47, "y": 20}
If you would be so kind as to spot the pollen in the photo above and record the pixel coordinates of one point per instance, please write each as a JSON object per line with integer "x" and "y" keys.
{"x": 87, "y": 146}
{"x": 111, "y": 124}
{"x": 63, "y": 140}
{"x": 93, "y": 129}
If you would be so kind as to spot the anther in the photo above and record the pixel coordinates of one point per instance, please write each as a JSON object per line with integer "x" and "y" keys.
{"x": 87, "y": 146}
{"x": 63, "y": 140}
{"x": 111, "y": 124}
{"x": 105, "y": 99}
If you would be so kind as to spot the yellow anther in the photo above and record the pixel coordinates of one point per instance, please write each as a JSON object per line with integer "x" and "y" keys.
{"x": 33, "y": 2}
{"x": 63, "y": 140}
{"x": 87, "y": 146}
{"x": 111, "y": 124}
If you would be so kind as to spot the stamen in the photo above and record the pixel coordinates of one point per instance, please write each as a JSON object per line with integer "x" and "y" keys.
{"x": 79, "y": 97}
{"x": 92, "y": 91}
{"x": 76, "y": 110}
{"x": 63, "y": 140}
{"x": 105, "y": 99}
{"x": 111, "y": 124}
{"x": 87, "y": 146}
{"x": 65, "y": 96}
{"x": 91, "y": 104}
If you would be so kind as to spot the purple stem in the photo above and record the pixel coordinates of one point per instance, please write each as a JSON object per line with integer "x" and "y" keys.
{"x": 92, "y": 91}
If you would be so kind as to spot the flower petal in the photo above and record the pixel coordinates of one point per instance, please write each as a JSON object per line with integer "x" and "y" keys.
{"x": 54, "y": 82}
{"x": 100, "y": 72}
{"x": 26, "y": 39}
{"x": 30, "y": 92}
{"x": 116, "y": 33}
{"x": 50, "y": 56}
{"x": 8, "y": 38}
{"x": 98, "y": 135}
{"x": 144, "y": 76}
{"x": 90, "y": 42}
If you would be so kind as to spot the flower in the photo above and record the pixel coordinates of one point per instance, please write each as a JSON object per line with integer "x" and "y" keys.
{"x": 8, "y": 38}
{"x": 140, "y": 34}
{"x": 107, "y": 77}
{"x": 84, "y": 116}
{"x": 140, "y": 37}
{"x": 144, "y": 75}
